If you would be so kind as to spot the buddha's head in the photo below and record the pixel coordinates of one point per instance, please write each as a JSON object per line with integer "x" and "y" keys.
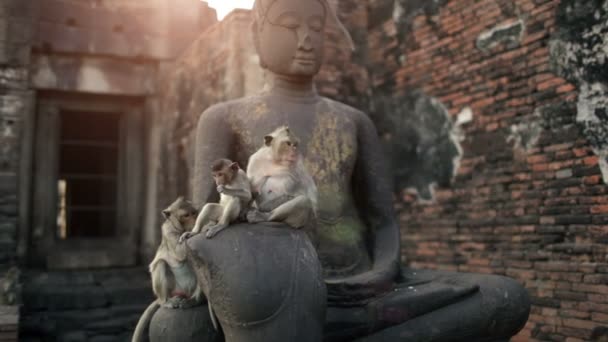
{"x": 289, "y": 35}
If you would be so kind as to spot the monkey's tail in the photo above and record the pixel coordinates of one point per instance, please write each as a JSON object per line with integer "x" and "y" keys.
{"x": 143, "y": 326}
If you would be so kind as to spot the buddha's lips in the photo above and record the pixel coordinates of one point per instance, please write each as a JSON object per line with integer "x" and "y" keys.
{"x": 306, "y": 57}
{"x": 305, "y": 60}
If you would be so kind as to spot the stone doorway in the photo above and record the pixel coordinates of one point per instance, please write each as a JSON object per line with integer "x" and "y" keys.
{"x": 87, "y": 183}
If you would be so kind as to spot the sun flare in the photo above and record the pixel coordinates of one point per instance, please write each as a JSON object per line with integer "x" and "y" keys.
{"x": 223, "y": 7}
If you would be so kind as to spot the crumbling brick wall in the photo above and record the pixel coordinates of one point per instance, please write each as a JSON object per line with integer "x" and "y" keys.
{"x": 494, "y": 116}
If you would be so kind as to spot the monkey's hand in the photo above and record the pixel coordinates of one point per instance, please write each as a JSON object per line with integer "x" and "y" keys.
{"x": 220, "y": 189}
{"x": 185, "y": 236}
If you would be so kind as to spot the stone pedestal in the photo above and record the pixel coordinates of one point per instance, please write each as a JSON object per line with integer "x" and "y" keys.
{"x": 185, "y": 325}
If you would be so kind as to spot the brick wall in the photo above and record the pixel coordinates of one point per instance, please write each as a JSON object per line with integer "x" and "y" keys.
{"x": 509, "y": 84}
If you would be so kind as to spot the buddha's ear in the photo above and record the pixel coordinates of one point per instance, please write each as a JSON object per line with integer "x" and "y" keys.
{"x": 268, "y": 140}
{"x": 256, "y": 42}
{"x": 256, "y": 35}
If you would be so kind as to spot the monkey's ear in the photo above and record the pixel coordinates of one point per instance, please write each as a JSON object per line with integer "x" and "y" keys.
{"x": 268, "y": 140}
{"x": 234, "y": 166}
{"x": 167, "y": 214}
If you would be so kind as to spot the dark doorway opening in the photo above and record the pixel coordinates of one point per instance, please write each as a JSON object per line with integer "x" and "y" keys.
{"x": 88, "y": 173}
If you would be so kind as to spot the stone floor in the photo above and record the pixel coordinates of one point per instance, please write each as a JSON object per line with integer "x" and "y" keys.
{"x": 9, "y": 322}
{"x": 79, "y": 306}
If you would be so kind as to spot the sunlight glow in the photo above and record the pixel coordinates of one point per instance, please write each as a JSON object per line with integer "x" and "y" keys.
{"x": 223, "y": 7}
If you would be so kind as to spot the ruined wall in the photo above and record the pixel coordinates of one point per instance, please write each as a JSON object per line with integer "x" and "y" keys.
{"x": 16, "y": 104}
{"x": 493, "y": 113}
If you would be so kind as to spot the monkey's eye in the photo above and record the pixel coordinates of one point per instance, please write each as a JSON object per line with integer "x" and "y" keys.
{"x": 288, "y": 143}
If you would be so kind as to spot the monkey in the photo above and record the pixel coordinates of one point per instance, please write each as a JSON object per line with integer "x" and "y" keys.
{"x": 284, "y": 190}
{"x": 171, "y": 275}
{"x": 235, "y": 196}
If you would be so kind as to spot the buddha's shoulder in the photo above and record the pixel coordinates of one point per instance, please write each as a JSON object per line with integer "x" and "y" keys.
{"x": 223, "y": 109}
{"x": 344, "y": 109}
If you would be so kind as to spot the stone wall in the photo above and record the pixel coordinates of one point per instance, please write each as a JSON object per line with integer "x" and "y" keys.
{"x": 494, "y": 117}
{"x": 102, "y": 305}
{"x": 16, "y": 104}
{"x": 81, "y": 51}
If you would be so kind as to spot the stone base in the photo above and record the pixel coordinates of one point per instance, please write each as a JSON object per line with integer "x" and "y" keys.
{"x": 9, "y": 323}
{"x": 192, "y": 324}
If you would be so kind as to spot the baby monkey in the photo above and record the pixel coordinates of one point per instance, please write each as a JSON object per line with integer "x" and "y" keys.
{"x": 235, "y": 195}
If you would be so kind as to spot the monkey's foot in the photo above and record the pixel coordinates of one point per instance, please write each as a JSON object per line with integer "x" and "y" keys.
{"x": 185, "y": 236}
{"x": 211, "y": 231}
{"x": 256, "y": 216}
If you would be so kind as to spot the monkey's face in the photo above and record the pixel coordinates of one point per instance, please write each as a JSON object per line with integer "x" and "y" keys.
{"x": 291, "y": 35}
{"x": 183, "y": 211}
{"x": 284, "y": 146}
{"x": 286, "y": 150}
{"x": 187, "y": 217}
{"x": 224, "y": 176}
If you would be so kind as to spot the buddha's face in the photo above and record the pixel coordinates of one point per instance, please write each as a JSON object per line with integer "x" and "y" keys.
{"x": 290, "y": 38}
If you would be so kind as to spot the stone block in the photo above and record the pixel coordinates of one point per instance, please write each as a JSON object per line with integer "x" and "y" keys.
{"x": 8, "y": 187}
{"x": 85, "y": 40}
{"x": 20, "y": 30}
{"x": 64, "y": 297}
{"x": 13, "y": 77}
{"x": 93, "y": 74}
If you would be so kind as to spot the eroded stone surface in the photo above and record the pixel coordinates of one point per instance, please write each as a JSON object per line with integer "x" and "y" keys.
{"x": 421, "y": 140}
{"x": 509, "y": 33}
{"x": 580, "y": 53}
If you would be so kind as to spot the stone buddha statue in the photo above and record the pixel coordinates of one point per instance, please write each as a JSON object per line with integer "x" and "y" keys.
{"x": 370, "y": 297}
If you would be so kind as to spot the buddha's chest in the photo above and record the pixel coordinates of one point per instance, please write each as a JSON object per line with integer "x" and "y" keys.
{"x": 328, "y": 141}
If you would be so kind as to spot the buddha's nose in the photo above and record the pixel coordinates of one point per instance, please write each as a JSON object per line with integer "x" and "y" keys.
{"x": 304, "y": 40}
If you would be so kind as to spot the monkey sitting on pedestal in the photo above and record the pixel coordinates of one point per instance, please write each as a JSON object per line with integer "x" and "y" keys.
{"x": 285, "y": 191}
{"x": 172, "y": 276}
{"x": 235, "y": 195}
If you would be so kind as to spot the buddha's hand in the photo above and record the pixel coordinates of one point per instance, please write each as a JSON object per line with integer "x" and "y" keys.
{"x": 359, "y": 288}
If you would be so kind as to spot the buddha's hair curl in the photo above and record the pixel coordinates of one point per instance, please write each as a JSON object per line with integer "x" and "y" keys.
{"x": 261, "y": 8}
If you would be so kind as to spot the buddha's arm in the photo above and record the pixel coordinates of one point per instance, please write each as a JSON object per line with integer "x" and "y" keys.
{"x": 372, "y": 186}
{"x": 214, "y": 140}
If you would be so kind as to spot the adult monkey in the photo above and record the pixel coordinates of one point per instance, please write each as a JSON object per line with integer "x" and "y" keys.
{"x": 369, "y": 296}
